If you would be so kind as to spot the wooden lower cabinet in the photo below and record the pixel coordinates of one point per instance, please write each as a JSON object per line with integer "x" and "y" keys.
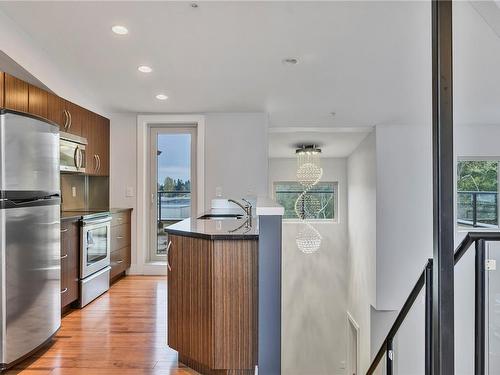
{"x": 70, "y": 261}
{"x": 212, "y": 304}
{"x": 120, "y": 244}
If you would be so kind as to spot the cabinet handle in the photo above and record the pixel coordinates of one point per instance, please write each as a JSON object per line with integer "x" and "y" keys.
{"x": 66, "y": 119}
{"x": 70, "y": 120}
{"x": 168, "y": 250}
{"x": 98, "y": 163}
{"x": 119, "y": 237}
{"x": 119, "y": 261}
{"x": 64, "y": 290}
{"x": 64, "y": 256}
{"x": 64, "y": 230}
{"x": 119, "y": 219}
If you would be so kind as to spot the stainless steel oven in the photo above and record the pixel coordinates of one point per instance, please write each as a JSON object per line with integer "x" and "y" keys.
{"x": 72, "y": 153}
{"x": 95, "y": 245}
{"x": 95, "y": 252}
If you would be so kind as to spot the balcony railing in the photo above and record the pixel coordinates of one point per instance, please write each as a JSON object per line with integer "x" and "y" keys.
{"x": 477, "y": 209}
{"x": 173, "y": 206}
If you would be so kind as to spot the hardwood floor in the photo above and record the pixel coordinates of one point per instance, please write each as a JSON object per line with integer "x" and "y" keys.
{"x": 123, "y": 332}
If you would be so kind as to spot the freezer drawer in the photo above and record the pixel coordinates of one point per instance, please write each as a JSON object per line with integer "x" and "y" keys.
{"x": 30, "y": 278}
{"x": 93, "y": 286}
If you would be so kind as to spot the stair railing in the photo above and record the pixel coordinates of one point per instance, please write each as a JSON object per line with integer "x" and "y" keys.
{"x": 425, "y": 279}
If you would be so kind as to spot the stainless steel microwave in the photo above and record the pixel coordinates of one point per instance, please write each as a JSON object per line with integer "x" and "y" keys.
{"x": 72, "y": 153}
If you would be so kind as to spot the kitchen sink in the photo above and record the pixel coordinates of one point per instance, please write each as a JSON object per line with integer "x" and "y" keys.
{"x": 220, "y": 216}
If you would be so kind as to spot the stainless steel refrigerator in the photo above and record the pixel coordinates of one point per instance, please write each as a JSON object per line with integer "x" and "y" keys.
{"x": 29, "y": 235}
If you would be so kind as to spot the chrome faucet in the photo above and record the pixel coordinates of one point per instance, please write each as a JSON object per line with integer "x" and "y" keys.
{"x": 247, "y": 207}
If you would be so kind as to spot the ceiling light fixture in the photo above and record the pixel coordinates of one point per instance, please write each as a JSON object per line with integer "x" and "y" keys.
{"x": 144, "y": 69}
{"x": 290, "y": 61}
{"x": 194, "y": 5}
{"x": 161, "y": 97}
{"x": 120, "y": 30}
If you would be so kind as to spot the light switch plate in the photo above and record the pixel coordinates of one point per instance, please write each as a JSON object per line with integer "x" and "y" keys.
{"x": 129, "y": 192}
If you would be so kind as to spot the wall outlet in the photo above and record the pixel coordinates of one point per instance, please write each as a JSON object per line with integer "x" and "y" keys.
{"x": 129, "y": 191}
{"x": 73, "y": 191}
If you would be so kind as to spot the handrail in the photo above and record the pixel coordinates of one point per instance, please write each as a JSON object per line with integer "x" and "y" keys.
{"x": 470, "y": 238}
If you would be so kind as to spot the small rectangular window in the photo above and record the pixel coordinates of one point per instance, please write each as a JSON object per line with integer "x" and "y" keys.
{"x": 321, "y": 203}
{"x": 477, "y": 194}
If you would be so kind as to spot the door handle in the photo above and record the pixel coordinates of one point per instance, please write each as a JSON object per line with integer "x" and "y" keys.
{"x": 64, "y": 230}
{"x": 119, "y": 237}
{"x": 119, "y": 261}
{"x": 64, "y": 256}
{"x": 64, "y": 290}
{"x": 77, "y": 157}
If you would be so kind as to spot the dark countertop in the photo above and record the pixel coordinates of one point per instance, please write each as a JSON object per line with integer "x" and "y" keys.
{"x": 78, "y": 215}
{"x": 115, "y": 210}
{"x": 219, "y": 229}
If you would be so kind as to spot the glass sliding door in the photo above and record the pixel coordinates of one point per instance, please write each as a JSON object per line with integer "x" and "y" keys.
{"x": 172, "y": 188}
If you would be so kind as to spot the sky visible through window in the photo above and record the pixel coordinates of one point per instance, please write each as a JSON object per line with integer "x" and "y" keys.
{"x": 175, "y": 158}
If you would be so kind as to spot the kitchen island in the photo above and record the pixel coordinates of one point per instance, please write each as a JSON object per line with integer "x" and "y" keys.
{"x": 213, "y": 294}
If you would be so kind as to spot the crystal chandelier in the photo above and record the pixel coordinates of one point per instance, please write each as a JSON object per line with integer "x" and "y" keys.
{"x": 309, "y": 170}
{"x": 307, "y": 206}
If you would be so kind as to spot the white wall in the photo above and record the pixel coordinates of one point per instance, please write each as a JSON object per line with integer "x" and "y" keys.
{"x": 235, "y": 159}
{"x": 404, "y": 210}
{"x": 362, "y": 203}
{"x": 236, "y": 150}
{"x": 314, "y": 285}
{"x": 123, "y": 167}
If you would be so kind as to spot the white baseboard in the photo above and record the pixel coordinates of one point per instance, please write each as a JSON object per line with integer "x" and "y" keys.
{"x": 149, "y": 269}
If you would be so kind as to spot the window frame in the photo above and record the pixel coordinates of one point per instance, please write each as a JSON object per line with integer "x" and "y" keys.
{"x": 336, "y": 195}
{"x": 462, "y": 229}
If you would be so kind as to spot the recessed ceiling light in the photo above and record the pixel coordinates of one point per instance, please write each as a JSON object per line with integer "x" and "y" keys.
{"x": 144, "y": 69}
{"x": 161, "y": 97}
{"x": 120, "y": 30}
{"x": 290, "y": 61}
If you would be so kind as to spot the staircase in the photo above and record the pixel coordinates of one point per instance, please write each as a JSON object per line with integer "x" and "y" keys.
{"x": 386, "y": 350}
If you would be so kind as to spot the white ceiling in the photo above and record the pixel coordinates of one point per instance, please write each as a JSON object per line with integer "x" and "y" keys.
{"x": 362, "y": 60}
{"x": 334, "y": 142}
{"x": 370, "y": 62}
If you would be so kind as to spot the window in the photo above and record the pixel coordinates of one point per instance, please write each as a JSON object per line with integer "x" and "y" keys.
{"x": 324, "y": 195}
{"x": 477, "y": 194}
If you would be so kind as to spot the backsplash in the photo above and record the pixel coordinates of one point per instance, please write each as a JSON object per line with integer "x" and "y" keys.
{"x": 80, "y": 192}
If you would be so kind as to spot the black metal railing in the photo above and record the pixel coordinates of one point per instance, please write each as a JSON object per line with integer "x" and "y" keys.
{"x": 172, "y": 198}
{"x": 477, "y": 208}
{"x": 425, "y": 279}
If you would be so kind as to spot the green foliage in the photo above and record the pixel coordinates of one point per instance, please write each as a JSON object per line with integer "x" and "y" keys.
{"x": 174, "y": 185}
{"x": 477, "y": 175}
{"x": 286, "y": 193}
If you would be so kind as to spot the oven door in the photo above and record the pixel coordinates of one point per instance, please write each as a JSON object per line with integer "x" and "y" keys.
{"x": 95, "y": 246}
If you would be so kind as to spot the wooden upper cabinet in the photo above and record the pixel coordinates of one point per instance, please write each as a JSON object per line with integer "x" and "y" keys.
{"x": 16, "y": 93}
{"x": 95, "y": 129}
{"x": 76, "y": 118}
{"x": 1, "y": 89}
{"x": 103, "y": 146}
{"x": 37, "y": 101}
{"x": 56, "y": 110}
